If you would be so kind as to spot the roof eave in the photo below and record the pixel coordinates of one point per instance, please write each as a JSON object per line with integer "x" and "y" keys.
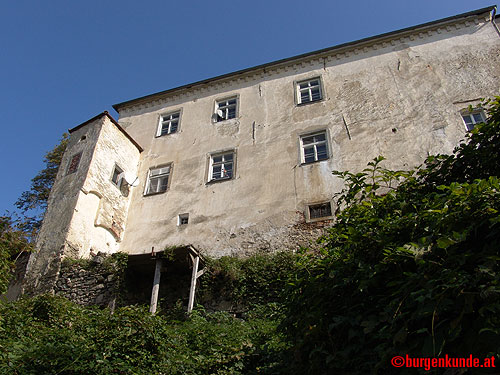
{"x": 145, "y": 98}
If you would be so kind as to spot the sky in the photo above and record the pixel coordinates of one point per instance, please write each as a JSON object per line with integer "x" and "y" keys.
{"x": 63, "y": 62}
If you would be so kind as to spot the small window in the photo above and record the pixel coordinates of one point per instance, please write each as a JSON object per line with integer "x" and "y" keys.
{"x": 183, "y": 219}
{"x": 116, "y": 178}
{"x": 74, "y": 163}
{"x": 221, "y": 166}
{"x": 169, "y": 123}
{"x": 320, "y": 211}
{"x": 226, "y": 109}
{"x": 314, "y": 147}
{"x": 471, "y": 119}
{"x": 158, "y": 180}
{"x": 309, "y": 91}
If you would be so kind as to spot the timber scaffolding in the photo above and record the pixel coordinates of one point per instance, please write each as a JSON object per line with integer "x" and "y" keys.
{"x": 169, "y": 265}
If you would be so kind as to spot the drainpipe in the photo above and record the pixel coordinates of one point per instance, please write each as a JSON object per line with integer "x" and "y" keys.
{"x": 493, "y": 15}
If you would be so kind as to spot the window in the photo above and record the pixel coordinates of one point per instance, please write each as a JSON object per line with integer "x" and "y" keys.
{"x": 309, "y": 91}
{"x": 158, "y": 180}
{"x": 221, "y": 166}
{"x": 74, "y": 163}
{"x": 225, "y": 109}
{"x": 320, "y": 211}
{"x": 116, "y": 178}
{"x": 183, "y": 219}
{"x": 169, "y": 123}
{"x": 471, "y": 119}
{"x": 314, "y": 147}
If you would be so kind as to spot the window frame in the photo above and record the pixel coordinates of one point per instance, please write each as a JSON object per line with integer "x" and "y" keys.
{"x": 147, "y": 186}
{"x": 311, "y": 219}
{"x": 314, "y": 144}
{"x": 159, "y": 128}
{"x": 119, "y": 176}
{"x": 217, "y": 118}
{"x": 297, "y": 90}
{"x": 70, "y": 169}
{"x": 474, "y": 111}
{"x": 181, "y": 218}
{"x": 223, "y": 153}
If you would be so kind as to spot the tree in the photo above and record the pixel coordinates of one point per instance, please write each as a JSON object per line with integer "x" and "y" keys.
{"x": 33, "y": 202}
{"x": 12, "y": 242}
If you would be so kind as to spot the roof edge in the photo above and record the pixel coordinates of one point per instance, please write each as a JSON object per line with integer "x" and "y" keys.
{"x": 106, "y": 114}
{"x": 121, "y": 105}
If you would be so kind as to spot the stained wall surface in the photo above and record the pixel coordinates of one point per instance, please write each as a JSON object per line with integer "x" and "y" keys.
{"x": 75, "y": 224}
{"x": 399, "y": 97}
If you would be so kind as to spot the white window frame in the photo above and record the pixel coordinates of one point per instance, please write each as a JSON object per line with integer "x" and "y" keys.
{"x": 158, "y": 173}
{"x": 310, "y": 207}
{"x": 315, "y": 145}
{"x": 168, "y": 120}
{"x": 223, "y": 109}
{"x": 472, "y": 120}
{"x": 308, "y": 90}
{"x": 183, "y": 219}
{"x": 223, "y": 164}
{"x": 119, "y": 176}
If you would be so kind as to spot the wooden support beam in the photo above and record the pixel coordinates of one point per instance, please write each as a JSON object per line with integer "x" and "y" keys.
{"x": 156, "y": 286}
{"x": 192, "y": 290}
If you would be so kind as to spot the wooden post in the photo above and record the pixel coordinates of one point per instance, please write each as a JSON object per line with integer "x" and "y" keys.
{"x": 156, "y": 286}
{"x": 194, "y": 276}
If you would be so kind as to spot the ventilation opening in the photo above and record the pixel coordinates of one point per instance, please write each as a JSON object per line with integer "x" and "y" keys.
{"x": 183, "y": 219}
{"x": 320, "y": 211}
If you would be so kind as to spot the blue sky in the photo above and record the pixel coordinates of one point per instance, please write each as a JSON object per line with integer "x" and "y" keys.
{"x": 63, "y": 62}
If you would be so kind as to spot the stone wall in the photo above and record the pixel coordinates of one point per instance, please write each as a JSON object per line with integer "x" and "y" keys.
{"x": 92, "y": 282}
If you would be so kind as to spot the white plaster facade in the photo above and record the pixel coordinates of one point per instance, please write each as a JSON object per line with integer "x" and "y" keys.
{"x": 398, "y": 95}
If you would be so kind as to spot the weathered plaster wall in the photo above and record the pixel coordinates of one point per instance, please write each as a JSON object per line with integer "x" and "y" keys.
{"x": 400, "y": 98}
{"x": 86, "y": 211}
{"x": 102, "y": 206}
{"x": 44, "y": 263}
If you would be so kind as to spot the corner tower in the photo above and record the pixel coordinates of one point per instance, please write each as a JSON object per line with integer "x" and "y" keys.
{"x": 88, "y": 203}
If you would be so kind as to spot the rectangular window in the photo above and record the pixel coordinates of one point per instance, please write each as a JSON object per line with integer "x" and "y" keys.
{"x": 320, "y": 211}
{"x": 314, "y": 147}
{"x": 74, "y": 163}
{"x": 116, "y": 178}
{"x": 158, "y": 180}
{"x": 221, "y": 166}
{"x": 471, "y": 119}
{"x": 183, "y": 219}
{"x": 226, "y": 109}
{"x": 309, "y": 91}
{"x": 169, "y": 123}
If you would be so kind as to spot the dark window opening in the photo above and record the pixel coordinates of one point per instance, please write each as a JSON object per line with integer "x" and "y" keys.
{"x": 319, "y": 211}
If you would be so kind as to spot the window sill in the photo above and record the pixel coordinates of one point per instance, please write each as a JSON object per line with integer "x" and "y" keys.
{"x": 234, "y": 119}
{"x": 315, "y": 220}
{"x": 219, "y": 180}
{"x": 313, "y": 162}
{"x": 165, "y": 135}
{"x": 311, "y": 102}
{"x": 151, "y": 194}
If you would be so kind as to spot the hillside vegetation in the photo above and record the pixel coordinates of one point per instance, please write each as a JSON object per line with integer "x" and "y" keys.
{"x": 410, "y": 267}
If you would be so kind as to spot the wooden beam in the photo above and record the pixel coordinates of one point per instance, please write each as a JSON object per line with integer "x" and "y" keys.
{"x": 192, "y": 290}
{"x": 156, "y": 286}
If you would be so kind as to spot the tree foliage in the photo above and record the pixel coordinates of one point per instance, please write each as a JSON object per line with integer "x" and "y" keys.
{"x": 33, "y": 202}
{"x": 12, "y": 242}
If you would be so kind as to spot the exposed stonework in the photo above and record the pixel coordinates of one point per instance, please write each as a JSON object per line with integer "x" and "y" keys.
{"x": 94, "y": 282}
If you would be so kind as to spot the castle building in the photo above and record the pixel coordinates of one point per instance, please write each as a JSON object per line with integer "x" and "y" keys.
{"x": 242, "y": 163}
